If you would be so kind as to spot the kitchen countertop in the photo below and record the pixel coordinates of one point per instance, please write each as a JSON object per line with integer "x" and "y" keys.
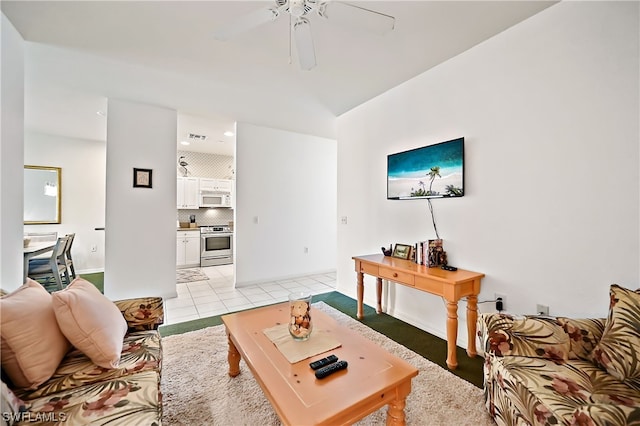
{"x": 188, "y": 229}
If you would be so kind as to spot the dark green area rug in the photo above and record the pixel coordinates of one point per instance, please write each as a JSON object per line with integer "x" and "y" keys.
{"x": 431, "y": 347}
{"x": 96, "y": 279}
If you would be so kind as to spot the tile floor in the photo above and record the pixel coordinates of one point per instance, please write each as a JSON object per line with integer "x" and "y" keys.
{"x": 217, "y": 295}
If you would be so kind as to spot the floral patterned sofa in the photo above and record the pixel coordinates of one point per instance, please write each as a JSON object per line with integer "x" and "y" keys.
{"x": 80, "y": 392}
{"x": 563, "y": 371}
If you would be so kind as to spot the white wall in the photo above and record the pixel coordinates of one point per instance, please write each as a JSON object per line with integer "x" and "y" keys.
{"x": 288, "y": 182}
{"x": 11, "y": 166}
{"x": 549, "y": 110}
{"x": 140, "y": 235}
{"x": 83, "y": 164}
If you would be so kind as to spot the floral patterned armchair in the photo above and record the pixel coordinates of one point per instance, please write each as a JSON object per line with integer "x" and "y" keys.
{"x": 563, "y": 371}
{"x": 81, "y": 392}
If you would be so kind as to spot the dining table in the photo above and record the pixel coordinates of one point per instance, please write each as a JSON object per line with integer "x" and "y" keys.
{"x": 35, "y": 248}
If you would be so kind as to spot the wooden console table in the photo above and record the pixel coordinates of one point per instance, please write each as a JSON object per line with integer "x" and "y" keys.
{"x": 451, "y": 285}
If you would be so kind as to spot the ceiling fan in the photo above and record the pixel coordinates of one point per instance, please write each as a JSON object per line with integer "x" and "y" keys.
{"x": 299, "y": 12}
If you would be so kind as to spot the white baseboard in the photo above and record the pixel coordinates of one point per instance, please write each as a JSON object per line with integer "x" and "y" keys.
{"x": 283, "y": 278}
{"x": 461, "y": 341}
{"x": 90, "y": 271}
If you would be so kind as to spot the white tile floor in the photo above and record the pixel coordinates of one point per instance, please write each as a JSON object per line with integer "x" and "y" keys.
{"x": 217, "y": 295}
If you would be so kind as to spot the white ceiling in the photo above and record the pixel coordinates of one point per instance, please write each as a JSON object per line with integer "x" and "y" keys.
{"x": 163, "y": 52}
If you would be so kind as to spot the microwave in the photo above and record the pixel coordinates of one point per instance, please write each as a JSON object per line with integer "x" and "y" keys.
{"x": 215, "y": 199}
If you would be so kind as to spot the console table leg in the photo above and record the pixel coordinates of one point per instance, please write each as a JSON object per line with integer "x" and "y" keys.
{"x": 452, "y": 334}
{"x": 379, "y": 295}
{"x": 233, "y": 357}
{"x": 472, "y": 317}
{"x": 360, "y": 287}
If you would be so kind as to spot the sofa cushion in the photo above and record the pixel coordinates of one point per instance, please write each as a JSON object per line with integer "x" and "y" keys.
{"x": 537, "y": 337}
{"x": 618, "y": 349}
{"x": 540, "y": 392}
{"x": 130, "y": 400}
{"x": 141, "y": 351}
{"x": 32, "y": 344}
{"x": 91, "y": 322}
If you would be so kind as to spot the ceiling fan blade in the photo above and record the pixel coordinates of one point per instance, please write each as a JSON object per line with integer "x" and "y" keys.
{"x": 353, "y": 16}
{"x": 246, "y": 23}
{"x": 304, "y": 44}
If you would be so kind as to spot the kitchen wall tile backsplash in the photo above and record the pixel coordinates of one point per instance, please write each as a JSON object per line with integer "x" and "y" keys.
{"x": 207, "y": 166}
{"x": 207, "y": 216}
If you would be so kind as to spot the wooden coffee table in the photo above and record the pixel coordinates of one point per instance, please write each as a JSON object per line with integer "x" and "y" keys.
{"x": 374, "y": 377}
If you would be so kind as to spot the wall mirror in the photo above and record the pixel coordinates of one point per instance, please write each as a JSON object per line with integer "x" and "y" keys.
{"x": 42, "y": 195}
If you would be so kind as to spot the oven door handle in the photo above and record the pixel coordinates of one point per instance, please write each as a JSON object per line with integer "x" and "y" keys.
{"x": 217, "y": 234}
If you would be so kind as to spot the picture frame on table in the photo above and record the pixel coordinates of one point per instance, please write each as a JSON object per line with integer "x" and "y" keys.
{"x": 401, "y": 251}
{"x": 142, "y": 178}
{"x": 436, "y": 256}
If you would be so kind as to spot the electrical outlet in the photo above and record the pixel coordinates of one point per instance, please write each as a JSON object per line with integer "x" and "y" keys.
{"x": 94, "y": 249}
{"x": 343, "y": 220}
{"x": 542, "y": 310}
{"x": 503, "y": 298}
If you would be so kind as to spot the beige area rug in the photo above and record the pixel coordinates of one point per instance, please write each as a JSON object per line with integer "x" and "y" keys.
{"x": 197, "y": 390}
{"x": 190, "y": 275}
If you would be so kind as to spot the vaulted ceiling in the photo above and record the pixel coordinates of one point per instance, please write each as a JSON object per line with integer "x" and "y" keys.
{"x": 79, "y": 53}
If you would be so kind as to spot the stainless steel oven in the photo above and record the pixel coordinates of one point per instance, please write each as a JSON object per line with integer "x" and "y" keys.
{"x": 216, "y": 245}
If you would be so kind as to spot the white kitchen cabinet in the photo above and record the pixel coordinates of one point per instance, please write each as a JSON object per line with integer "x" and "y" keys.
{"x": 188, "y": 248}
{"x": 224, "y": 185}
{"x": 187, "y": 192}
{"x": 215, "y": 185}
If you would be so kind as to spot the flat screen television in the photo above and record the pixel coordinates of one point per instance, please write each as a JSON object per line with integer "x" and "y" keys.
{"x": 433, "y": 171}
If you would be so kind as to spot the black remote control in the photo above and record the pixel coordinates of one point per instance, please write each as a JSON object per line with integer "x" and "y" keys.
{"x": 449, "y": 268}
{"x": 330, "y": 369}
{"x": 323, "y": 362}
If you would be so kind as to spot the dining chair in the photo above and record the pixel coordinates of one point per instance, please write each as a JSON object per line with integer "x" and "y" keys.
{"x": 44, "y": 271}
{"x": 67, "y": 254}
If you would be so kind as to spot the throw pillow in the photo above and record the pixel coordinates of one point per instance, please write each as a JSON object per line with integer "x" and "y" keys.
{"x": 91, "y": 322}
{"x": 617, "y": 352}
{"x": 584, "y": 334}
{"x": 32, "y": 344}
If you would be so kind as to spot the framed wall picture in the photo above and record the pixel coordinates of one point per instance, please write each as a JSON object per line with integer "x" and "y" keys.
{"x": 401, "y": 251}
{"x": 142, "y": 178}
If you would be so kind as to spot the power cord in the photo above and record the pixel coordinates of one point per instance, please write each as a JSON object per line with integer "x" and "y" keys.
{"x": 497, "y": 301}
{"x": 433, "y": 219}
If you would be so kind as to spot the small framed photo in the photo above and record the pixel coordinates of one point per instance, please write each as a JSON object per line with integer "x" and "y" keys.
{"x": 436, "y": 255}
{"x": 401, "y": 251}
{"x": 142, "y": 178}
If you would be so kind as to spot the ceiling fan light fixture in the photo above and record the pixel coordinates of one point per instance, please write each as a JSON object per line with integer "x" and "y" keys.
{"x": 296, "y": 8}
{"x": 298, "y": 11}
